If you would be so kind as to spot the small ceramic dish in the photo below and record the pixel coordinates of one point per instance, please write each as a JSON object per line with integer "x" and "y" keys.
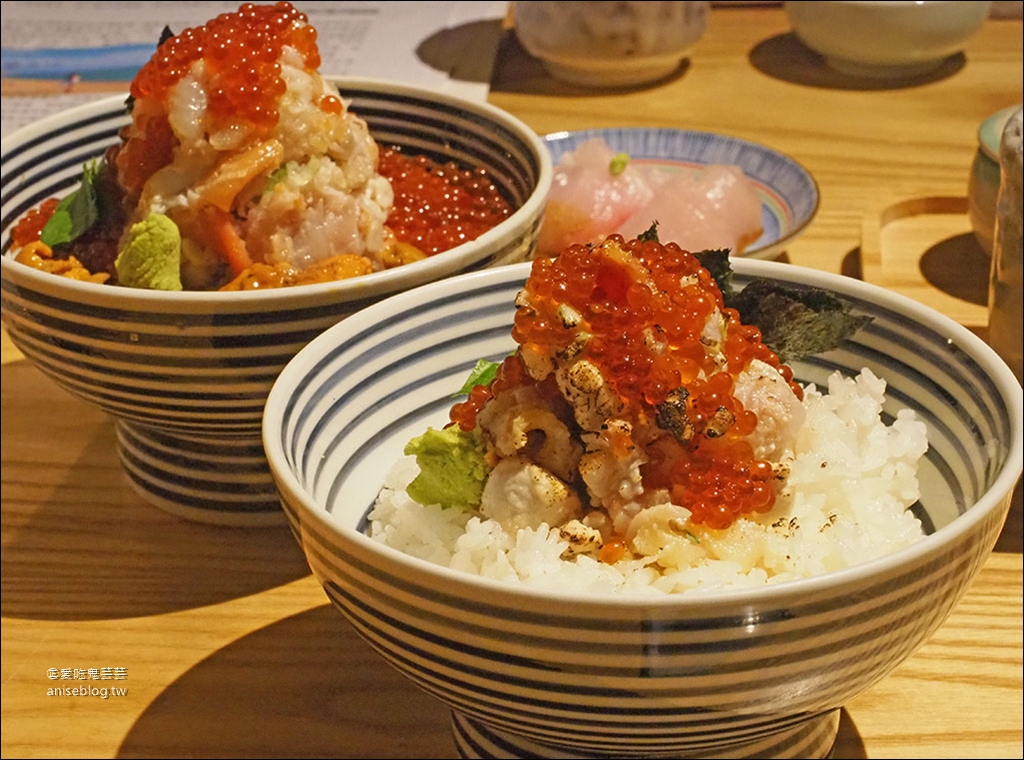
{"x": 788, "y": 192}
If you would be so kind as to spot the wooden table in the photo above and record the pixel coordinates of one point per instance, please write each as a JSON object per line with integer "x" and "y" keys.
{"x": 224, "y": 643}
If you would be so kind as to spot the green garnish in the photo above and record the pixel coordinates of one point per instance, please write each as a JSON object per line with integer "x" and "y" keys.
{"x": 618, "y": 164}
{"x": 452, "y": 465}
{"x": 453, "y": 469}
{"x": 482, "y": 373}
{"x": 151, "y": 256}
{"x": 276, "y": 176}
{"x": 76, "y": 212}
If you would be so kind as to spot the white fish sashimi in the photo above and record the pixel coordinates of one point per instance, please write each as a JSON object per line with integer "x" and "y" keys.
{"x": 588, "y": 198}
{"x": 596, "y": 192}
{"x": 717, "y": 207}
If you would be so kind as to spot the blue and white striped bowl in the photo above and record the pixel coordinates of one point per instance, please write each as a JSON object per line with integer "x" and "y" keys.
{"x": 531, "y": 673}
{"x": 186, "y": 374}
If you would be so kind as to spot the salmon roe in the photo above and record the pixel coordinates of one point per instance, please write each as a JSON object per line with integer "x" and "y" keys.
{"x": 240, "y": 52}
{"x": 437, "y": 205}
{"x": 440, "y": 205}
{"x": 30, "y": 226}
{"x": 646, "y": 314}
{"x": 643, "y": 308}
{"x": 510, "y": 374}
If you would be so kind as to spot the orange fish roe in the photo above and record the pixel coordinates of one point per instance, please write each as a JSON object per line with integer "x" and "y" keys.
{"x": 439, "y": 206}
{"x": 30, "y": 226}
{"x": 511, "y": 374}
{"x": 639, "y": 312}
{"x": 240, "y": 52}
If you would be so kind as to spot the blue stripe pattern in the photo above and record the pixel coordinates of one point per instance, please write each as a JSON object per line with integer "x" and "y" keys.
{"x": 186, "y": 374}
{"x": 540, "y": 674}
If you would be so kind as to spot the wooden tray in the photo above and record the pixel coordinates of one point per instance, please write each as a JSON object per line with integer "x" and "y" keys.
{"x": 924, "y": 248}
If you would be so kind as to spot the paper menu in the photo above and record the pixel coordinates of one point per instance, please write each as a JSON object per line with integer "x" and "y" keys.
{"x": 60, "y": 54}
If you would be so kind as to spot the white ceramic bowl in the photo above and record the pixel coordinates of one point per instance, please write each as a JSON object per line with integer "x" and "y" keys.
{"x": 599, "y": 44}
{"x": 883, "y": 38}
{"x": 186, "y": 374}
{"x": 533, "y": 673}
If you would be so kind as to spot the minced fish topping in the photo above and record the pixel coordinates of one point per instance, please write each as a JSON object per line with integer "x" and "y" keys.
{"x": 243, "y": 168}
{"x": 629, "y": 388}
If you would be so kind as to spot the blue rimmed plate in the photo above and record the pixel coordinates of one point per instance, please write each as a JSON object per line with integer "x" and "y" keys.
{"x": 788, "y": 192}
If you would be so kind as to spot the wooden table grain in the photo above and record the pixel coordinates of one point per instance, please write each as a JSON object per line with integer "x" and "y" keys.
{"x": 220, "y": 643}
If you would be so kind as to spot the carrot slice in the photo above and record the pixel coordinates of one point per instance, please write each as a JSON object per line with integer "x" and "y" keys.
{"x": 229, "y": 243}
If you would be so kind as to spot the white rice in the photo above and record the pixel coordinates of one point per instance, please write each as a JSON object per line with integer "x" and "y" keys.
{"x": 846, "y": 501}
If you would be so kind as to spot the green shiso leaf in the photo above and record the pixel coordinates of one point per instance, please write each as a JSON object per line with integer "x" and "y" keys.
{"x": 483, "y": 373}
{"x": 76, "y": 212}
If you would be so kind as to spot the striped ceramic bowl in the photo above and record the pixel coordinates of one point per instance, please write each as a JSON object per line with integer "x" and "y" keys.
{"x": 186, "y": 375}
{"x": 533, "y": 673}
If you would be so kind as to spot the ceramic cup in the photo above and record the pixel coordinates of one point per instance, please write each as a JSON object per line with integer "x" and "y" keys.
{"x": 600, "y": 44}
{"x": 1005, "y": 292}
{"x": 886, "y": 39}
{"x": 984, "y": 179}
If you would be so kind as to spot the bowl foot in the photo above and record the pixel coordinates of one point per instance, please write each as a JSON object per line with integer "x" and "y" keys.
{"x": 222, "y": 481}
{"x": 883, "y": 71}
{"x": 615, "y": 74}
{"x": 812, "y": 738}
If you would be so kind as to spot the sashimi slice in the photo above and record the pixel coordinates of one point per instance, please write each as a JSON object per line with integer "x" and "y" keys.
{"x": 717, "y": 207}
{"x": 592, "y": 193}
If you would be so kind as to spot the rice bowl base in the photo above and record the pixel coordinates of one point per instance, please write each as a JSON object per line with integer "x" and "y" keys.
{"x": 812, "y": 738}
